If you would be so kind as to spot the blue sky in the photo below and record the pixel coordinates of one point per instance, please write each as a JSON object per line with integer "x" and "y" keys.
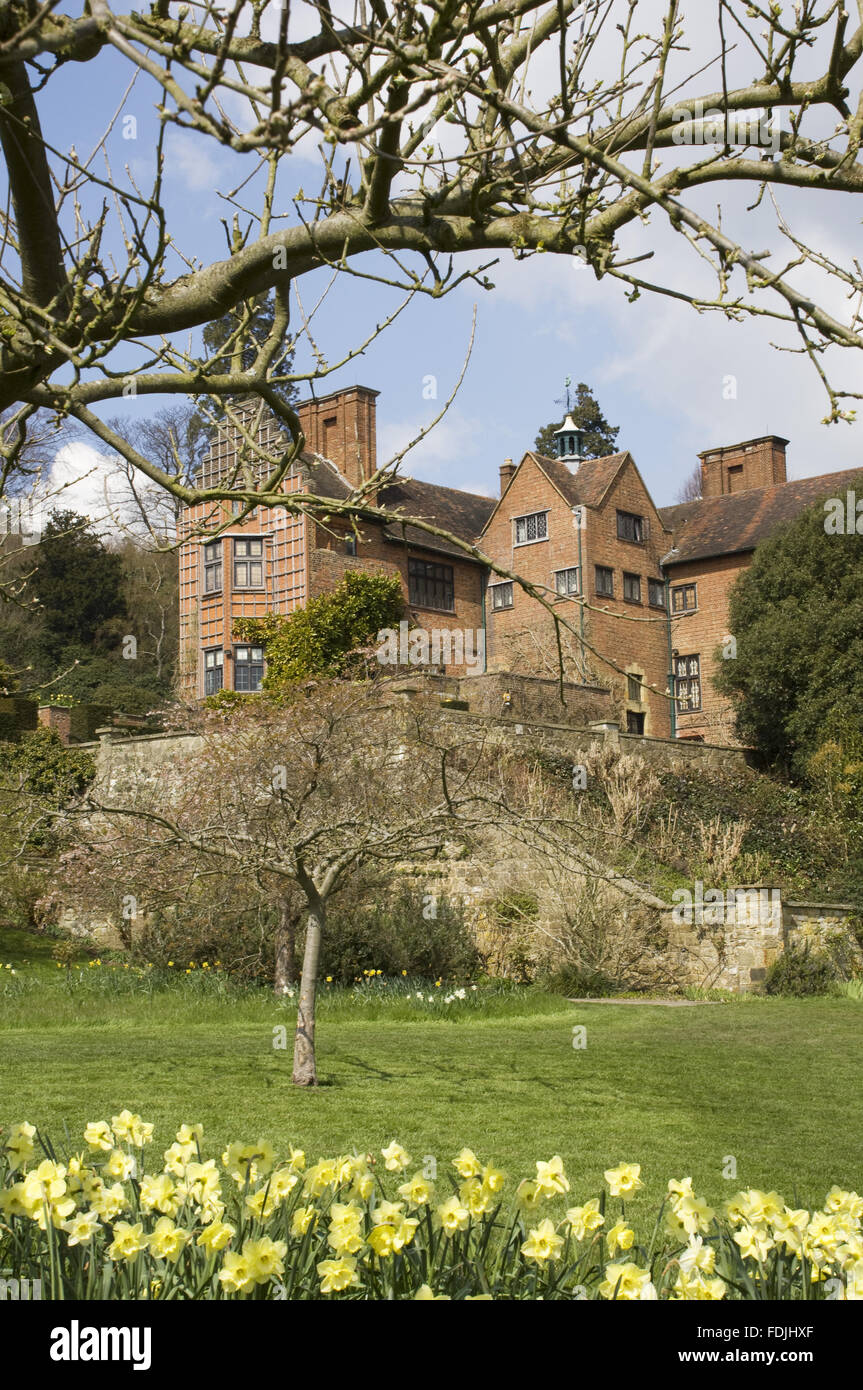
{"x": 660, "y": 371}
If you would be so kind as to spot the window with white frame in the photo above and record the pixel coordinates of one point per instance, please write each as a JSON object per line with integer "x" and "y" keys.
{"x": 501, "y": 596}
{"x": 214, "y": 666}
{"x": 566, "y": 582}
{"x": 248, "y": 668}
{"x": 249, "y": 562}
{"x": 684, "y": 598}
{"x": 687, "y": 683}
{"x": 533, "y": 527}
{"x": 212, "y": 567}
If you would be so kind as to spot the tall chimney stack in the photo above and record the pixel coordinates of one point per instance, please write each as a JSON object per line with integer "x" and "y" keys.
{"x": 507, "y": 469}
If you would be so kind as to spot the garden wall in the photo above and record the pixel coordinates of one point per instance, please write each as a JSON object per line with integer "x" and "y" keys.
{"x": 735, "y": 952}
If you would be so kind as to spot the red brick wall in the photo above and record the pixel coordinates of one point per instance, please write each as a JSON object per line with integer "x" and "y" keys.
{"x": 341, "y": 427}
{"x": 701, "y": 633}
{"x": 58, "y": 718}
{"x": 738, "y": 467}
{"x": 636, "y": 638}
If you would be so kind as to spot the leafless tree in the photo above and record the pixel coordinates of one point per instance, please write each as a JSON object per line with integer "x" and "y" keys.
{"x": 445, "y": 133}
{"x": 299, "y": 797}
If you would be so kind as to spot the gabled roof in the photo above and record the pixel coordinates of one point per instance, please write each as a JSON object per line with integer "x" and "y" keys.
{"x": 586, "y": 487}
{"x": 738, "y": 521}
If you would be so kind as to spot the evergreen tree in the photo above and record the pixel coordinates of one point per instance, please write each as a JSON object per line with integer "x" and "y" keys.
{"x": 797, "y": 616}
{"x": 77, "y": 583}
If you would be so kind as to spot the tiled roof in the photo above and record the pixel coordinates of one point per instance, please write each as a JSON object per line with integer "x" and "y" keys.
{"x": 589, "y": 484}
{"x": 738, "y": 521}
{"x": 462, "y": 513}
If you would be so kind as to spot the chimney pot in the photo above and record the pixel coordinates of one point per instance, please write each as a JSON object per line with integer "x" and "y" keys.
{"x": 507, "y": 469}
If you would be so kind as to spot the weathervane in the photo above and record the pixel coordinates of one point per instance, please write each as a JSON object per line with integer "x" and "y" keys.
{"x": 565, "y": 400}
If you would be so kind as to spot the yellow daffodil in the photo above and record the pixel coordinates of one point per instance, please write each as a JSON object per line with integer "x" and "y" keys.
{"x": 620, "y": 1237}
{"x": 168, "y": 1241}
{"x": 543, "y": 1243}
{"x": 627, "y": 1283}
{"x": 99, "y": 1137}
{"x": 338, "y": 1275}
{"x": 395, "y": 1158}
{"x": 301, "y": 1220}
{"x": 158, "y": 1193}
{"x": 216, "y": 1236}
{"x": 466, "y": 1164}
{"x": 19, "y": 1146}
{"x": 692, "y": 1287}
{"x": 81, "y": 1228}
{"x": 755, "y": 1242}
{"x": 266, "y": 1258}
{"x": 128, "y": 1241}
{"x": 551, "y": 1180}
{"x": 236, "y": 1274}
{"x": 624, "y": 1180}
{"x": 452, "y": 1216}
{"x": 697, "y": 1257}
{"x": 583, "y": 1220}
{"x": 119, "y": 1165}
{"x": 418, "y": 1192}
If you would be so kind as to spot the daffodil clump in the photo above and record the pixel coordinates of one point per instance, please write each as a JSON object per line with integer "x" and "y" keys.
{"x": 107, "y": 1223}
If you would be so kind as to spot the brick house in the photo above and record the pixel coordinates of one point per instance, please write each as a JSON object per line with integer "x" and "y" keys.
{"x": 644, "y": 589}
{"x": 274, "y": 562}
{"x": 586, "y": 533}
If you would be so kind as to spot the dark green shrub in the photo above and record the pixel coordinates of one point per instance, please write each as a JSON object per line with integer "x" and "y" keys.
{"x": 799, "y": 971}
{"x": 576, "y": 983}
{"x": 395, "y": 936}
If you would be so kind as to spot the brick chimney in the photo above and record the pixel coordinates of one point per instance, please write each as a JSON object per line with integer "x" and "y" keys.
{"x": 755, "y": 463}
{"x": 507, "y": 469}
{"x": 341, "y": 427}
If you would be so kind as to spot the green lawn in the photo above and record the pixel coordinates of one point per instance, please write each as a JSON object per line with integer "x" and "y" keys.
{"x": 774, "y": 1083}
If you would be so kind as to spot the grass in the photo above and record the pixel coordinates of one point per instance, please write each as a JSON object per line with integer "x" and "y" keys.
{"x": 772, "y": 1083}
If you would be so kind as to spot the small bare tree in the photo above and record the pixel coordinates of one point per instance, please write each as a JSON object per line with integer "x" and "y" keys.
{"x": 299, "y": 796}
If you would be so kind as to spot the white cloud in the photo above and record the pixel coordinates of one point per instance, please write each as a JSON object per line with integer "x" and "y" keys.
{"x": 83, "y": 480}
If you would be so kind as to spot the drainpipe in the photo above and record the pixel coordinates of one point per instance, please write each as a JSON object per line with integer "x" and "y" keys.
{"x": 578, "y": 515}
{"x": 483, "y": 588}
{"x": 670, "y": 657}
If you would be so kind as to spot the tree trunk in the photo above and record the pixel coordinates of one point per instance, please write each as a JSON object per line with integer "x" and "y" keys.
{"x": 305, "y": 1072}
{"x": 286, "y": 939}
